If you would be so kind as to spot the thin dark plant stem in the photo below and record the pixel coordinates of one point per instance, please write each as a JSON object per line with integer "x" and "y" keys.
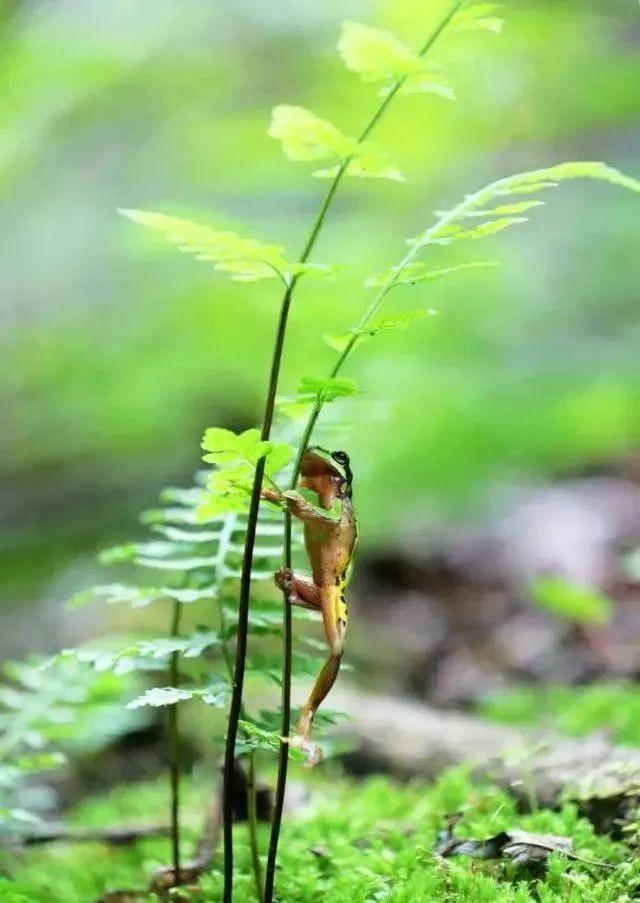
{"x": 235, "y": 706}
{"x": 317, "y": 226}
{"x": 283, "y": 755}
{"x": 285, "y": 725}
{"x": 252, "y": 815}
{"x": 175, "y": 748}
{"x": 251, "y": 779}
{"x": 250, "y": 538}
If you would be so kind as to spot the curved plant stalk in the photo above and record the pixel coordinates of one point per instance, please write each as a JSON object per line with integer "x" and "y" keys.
{"x": 175, "y": 747}
{"x": 285, "y": 724}
{"x": 252, "y": 816}
{"x": 283, "y": 755}
{"x": 225, "y": 539}
{"x": 235, "y": 707}
{"x": 223, "y": 548}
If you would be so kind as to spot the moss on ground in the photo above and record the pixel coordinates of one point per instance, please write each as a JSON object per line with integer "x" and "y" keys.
{"x": 363, "y": 843}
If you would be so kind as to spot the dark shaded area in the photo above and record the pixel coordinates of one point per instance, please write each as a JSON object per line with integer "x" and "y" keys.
{"x": 452, "y": 615}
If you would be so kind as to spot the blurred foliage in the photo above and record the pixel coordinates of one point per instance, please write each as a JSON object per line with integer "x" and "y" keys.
{"x": 571, "y": 602}
{"x": 356, "y": 842}
{"x": 117, "y": 351}
{"x": 612, "y": 708}
{"x": 47, "y": 714}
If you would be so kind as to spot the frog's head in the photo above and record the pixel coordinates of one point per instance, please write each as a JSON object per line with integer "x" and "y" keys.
{"x": 327, "y": 473}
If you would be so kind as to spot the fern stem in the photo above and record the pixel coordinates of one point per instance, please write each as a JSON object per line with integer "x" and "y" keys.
{"x": 247, "y": 559}
{"x": 283, "y": 755}
{"x": 251, "y": 780}
{"x": 285, "y": 724}
{"x": 252, "y": 815}
{"x": 235, "y": 706}
{"x": 175, "y": 749}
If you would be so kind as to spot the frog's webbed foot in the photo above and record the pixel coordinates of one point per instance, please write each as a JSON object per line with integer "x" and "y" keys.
{"x": 311, "y": 750}
{"x": 271, "y": 495}
{"x": 300, "y": 590}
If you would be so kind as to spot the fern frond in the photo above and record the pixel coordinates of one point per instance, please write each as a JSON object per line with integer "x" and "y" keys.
{"x": 245, "y": 258}
{"x": 378, "y": 56}
{"x": 530, "y": 182}
{"x": 306, "y": 137}
{"x": 450, "y": 224}
{"x": 208, "y": 552}
{"x": 46, "y": 711}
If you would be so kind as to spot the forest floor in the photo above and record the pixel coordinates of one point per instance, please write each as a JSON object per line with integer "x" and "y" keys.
{"x": 374, "y": 840}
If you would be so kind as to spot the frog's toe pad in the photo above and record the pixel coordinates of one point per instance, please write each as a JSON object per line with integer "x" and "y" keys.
{"x": 311, "y": 750}
{"x": 284, "y": 578}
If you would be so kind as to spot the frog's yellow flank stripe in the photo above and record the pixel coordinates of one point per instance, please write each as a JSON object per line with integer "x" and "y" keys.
{"x": 341, "y": 584}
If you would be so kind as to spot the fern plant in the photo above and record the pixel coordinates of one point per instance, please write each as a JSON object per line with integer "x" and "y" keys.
{"x": 48, "y": 713}
{"x": 197, "y": 555}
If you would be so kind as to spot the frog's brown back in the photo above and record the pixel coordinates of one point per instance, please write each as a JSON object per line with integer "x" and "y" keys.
{"x": 330, "y": 555}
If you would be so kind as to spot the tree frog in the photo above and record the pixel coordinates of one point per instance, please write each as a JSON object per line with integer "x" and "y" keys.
{"x": 324, "y": 504}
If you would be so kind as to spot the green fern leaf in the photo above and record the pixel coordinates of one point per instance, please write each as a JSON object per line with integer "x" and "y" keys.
{"x": 236, "y": 457}
{"x": 491, "y": 227}
{"x": 139, "y": 597}
{"x": 371, "y": 165}
{"x": 507, "y": 209}
{"x": 214, "y": 694}
{"x": 393, "y": 323}
{"x": 316, "y": 391}
{"x": 324, "y": 391}
{"x": 377, "y": 56}
{"x": 419, "y": 272}
{"x": 571, "y": 170}
{"x": 478, "y": 18}
{"x": 315, "y": 270}
{"x": 526, "y": 188}
{"x": 178, "y": 534}
{"x": 306, "y": 137}
{"x": 160, "y": 696}
{"x": 448, "y": 228}
{"x": 257, "y": 737}
{"x": 245, "y": 258}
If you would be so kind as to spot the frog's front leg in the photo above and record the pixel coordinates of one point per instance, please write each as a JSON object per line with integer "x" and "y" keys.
{"x": 299, "y": 507}
{"x": 301, "y": 591}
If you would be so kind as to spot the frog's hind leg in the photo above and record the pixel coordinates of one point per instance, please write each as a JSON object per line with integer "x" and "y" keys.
{"x": 301, "y": 591}
{"x": 334, "y": 628}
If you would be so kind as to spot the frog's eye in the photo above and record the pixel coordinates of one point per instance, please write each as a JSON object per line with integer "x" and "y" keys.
{"x": 340, "y": 457}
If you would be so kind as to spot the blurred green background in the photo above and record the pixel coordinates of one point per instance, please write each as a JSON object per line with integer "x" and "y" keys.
{"x": 117, "y": 351}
